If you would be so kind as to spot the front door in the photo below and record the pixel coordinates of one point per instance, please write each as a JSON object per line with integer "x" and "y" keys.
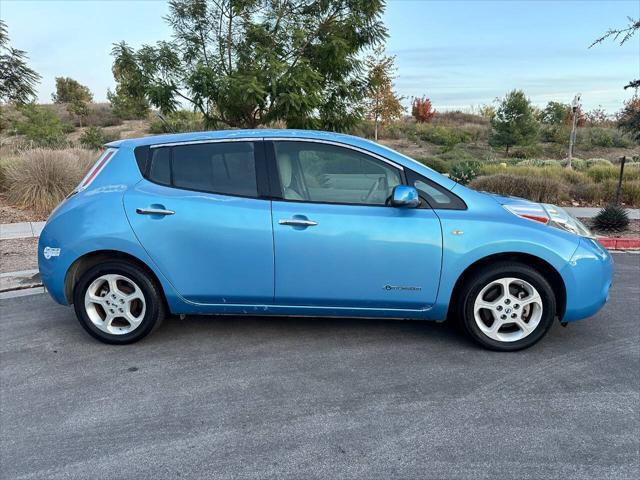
{"x": 199, "y": 217}
{"x": 337, "y": 243}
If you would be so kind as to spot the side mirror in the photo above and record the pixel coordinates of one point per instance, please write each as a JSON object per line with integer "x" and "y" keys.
{"x": 404, "y": 196}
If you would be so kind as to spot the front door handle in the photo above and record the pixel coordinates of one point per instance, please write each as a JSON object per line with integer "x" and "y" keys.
{"x": 154, "y": 211}
{"x": 297, "y": 222}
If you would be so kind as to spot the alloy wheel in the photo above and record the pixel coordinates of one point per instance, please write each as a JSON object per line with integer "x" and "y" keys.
{"x": 508, "y": 309}
{"x": 115, "y": 304}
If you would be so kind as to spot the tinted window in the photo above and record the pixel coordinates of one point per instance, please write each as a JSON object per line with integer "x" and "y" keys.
{"x": 227, "y": 168}
{"x": 160, "y": 168}
{"x": 325, "y": 173}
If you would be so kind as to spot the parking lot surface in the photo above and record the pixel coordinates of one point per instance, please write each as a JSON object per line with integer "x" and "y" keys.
{"x": 230, "y": 397}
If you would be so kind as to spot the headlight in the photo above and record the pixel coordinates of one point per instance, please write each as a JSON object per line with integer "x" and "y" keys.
{"x": 560, "y": 218}
{"x": 550, "y": 215}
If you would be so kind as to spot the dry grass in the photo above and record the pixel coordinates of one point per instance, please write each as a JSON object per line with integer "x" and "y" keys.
{"x": 41, "y": 178}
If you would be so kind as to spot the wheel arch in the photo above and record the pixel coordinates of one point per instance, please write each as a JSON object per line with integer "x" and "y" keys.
{"x": 542, "y": 266}
{"x": 90, "y": 259}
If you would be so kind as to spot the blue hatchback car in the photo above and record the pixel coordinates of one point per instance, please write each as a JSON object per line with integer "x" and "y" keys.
{"x": 304, "y": 223}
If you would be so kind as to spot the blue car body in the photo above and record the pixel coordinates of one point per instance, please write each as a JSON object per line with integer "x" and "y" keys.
{"x": 225, "y": 254}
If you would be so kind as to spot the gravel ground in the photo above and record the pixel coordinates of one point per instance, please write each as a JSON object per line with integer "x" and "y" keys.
{"x": 11, "y": 214}
{"x": 19, "y": 254}
{"x": 633, "y": 230}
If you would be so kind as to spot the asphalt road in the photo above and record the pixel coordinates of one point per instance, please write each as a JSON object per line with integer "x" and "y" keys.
{"x": 309, "y": 398}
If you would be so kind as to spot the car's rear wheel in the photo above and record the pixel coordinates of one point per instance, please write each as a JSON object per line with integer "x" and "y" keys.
{"x": 118, "y": 302}
{"x": 507, "y": 306}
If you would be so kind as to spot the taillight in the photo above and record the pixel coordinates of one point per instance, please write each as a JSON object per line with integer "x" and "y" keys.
{"x": 95, "y": 170}
{"x": 532, "y": 212}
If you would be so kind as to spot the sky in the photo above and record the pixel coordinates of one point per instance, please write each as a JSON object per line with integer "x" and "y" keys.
{"x": 461, "y": 54}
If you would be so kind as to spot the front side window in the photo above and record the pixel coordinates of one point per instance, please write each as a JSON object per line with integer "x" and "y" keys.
{"x": 225, "y": 168}
{"x": 324, "y": 173}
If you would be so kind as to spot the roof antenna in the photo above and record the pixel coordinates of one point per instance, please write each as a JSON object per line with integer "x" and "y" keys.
{"x": 165, "y": 122}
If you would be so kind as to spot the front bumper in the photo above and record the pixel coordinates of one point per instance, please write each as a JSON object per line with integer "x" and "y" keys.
{"x": 587, "y": 277}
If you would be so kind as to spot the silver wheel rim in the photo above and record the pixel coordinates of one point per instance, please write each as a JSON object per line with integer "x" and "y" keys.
{"x": 508, "y": 309}
{"x": 115, "y": 304}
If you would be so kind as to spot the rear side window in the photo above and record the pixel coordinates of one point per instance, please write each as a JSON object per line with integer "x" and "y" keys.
{"x": 160, "y": 166}
{"x": 225, "y": 168}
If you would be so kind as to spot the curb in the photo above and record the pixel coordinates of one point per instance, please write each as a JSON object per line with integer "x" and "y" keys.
{"x": 11, "y": 231}
{"x": 616, "y": 243}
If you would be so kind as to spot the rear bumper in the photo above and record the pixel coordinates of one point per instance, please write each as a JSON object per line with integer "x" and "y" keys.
{"x": 588, "y": 277}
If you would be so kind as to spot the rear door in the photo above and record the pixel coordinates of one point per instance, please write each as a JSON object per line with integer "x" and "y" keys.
{"x": 200, "y": 216}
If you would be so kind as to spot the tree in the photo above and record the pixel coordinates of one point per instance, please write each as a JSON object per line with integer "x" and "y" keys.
{"x": 252, "y": 62}
{"x": 129, "y": 101}
{"x": 422, "y": 109}
{"x": 75, "y": 95}
{"x": 514, "y": 122}
{"x": 17, "y": 81}
{"x": 629, "y": 118}
{"x": 382, "y": 102}
{"x": 624, "y": 35}
{"x": 69, "y": 90}
{"x": 555, "y": 113}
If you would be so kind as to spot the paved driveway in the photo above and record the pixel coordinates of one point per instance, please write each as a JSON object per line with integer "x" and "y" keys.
{"x": 308, "y": 398}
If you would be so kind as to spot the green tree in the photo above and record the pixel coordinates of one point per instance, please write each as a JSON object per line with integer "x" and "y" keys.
{"x": 75, "y": 95}
{"x": 245, "y": 63}
{"x": 129, "y": 101}
{"x": 382, "y": 102}
{"x": 17, "y": 81}
{"x": 555, "y": 113}
{"x": 514, "y": 122}
{"x": 69, "y": 90}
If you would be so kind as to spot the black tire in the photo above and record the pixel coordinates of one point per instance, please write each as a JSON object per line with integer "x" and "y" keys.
{"x": 474, "y": 285}
{"x": 155, "y": 310}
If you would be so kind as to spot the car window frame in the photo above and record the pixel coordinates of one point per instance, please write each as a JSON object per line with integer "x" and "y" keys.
{"x": 276, "y": 187}
{"x": 263, "y": 191}
{"x": 457, "y": 203}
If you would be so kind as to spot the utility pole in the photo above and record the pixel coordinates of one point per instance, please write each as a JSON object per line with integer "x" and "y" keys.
{"x": 575, "y": 105}
{"x": 622, "y": 160}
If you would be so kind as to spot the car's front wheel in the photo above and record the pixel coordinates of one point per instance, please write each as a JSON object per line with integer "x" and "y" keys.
{"x": 507, "y": 306}
{"x": 118, "y": 302}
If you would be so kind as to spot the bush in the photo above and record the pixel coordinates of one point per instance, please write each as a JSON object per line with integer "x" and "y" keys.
{"x": 439, "y": 135}
{"x": 529, "y": 151}
{"x": 42, "y": 127}
{"x": 41, "y": 178}
{"x": 96, "y": 137}
{"x": 465, "y": 172}
{"x": 4, "y": 166}
{"x": 180, "y": 121}
{"x": 611, "y": 219}
{"x": 538, "y": 189}
{"x": 435, "y": 163}
{"x": 538, "y": 163}
{"x": 592, "y": 137}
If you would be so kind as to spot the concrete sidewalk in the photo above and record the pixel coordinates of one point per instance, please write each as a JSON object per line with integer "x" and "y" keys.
{"x": 9, "y": 231}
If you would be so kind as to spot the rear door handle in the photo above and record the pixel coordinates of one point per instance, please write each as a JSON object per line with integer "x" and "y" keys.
{"x": 154, "y": 211}
{"x": 297, "y": 222}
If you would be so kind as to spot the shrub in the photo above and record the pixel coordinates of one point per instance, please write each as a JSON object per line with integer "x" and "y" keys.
{"x": 538, "y": 189}
{"x": 529, "y": 151}
{"x": 465, "y": 172}
{"x": 440, "y": 135}
{"x": 435, "y": 163}
{"x": 41, "y": 178}
{"x": 611, "y": 219}
{"x": 4, "y": 166}
{"x": 176, "y": 122}
{"x": 96, "y": 137}
{"x": 589, "y": 138}
{"x": 422, "y": 109}
{"x": 42, "y": 127}
{"x": 538, "y": 163}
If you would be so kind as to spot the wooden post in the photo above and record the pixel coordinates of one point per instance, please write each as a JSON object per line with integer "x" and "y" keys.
{"x": 622, "y": 160}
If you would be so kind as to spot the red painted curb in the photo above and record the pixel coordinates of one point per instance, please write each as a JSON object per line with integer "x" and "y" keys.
{"x": 616, "y": 243}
